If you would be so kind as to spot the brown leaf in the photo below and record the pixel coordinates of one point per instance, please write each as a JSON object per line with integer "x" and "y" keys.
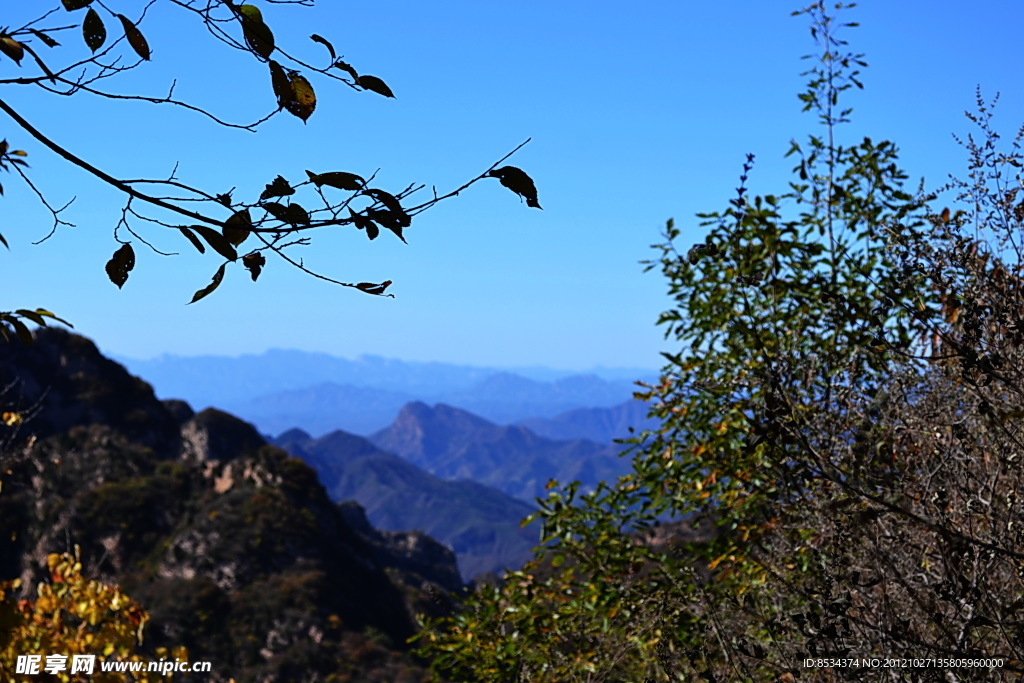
{"x": 278, "y": 188}
{"x": 371, "y": 288}
{"x": 120, "y": 264}
{"x": 323, "y": 41}
{"x": 338, "y": 179}
{"x": 12, "y": 48}
{"x": 254, "y": 263}
{"x": 208, "y": 289}
{"x": 375, "y": 84}
{"x": 303, "y": 99}
{"x": 279, "y": 81}
{"x": 517, "y": 181}
{"x": 237, "y": 228}
{"x": 135, "y": 37}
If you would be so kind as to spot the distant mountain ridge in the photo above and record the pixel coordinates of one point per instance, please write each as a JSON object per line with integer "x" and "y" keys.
{"x": 319, "y": 393}
{"x": 454, "y": 444}
{"x": 602, "y": 425}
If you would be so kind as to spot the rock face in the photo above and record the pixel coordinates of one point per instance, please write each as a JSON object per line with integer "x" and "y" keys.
{"x": 480, "y": 523}
{"x": 233, "y": 546}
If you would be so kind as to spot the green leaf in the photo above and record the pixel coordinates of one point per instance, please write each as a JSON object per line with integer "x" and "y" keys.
{"x": 236, "y": 228}
{"x": 258, "y": 35}
{"x": 375, "y": 84}
{"x": 208, "y": 289}
{"x": 338, "y": 179}
{"x": 135, "y": 37}
{"x": 216, "y": 240}
{"x": 45, "y": 313}
{"x": 120, "y": 264}
{"x": 93, "y": 30}
{"x": 71, "y": 5}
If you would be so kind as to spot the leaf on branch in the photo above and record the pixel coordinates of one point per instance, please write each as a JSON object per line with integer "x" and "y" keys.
{"x": 19, "y": 327}
{"x": 517, "y": 181}
{"x": 47, "y": 40}
{"x": 216, "y": 240}
{"x": 208, "y": 289}
{"x": 279, "y": 81}
{"x": 278, "y": 188}
{"x": 120, "y": 264}
{"x": 224, "y": 199}
{"x": 2, "y": 240}
{"x": 93, "y": 30}
{"x": 47, "y": 314}
{"x": 254, "y": 263}
{"x": 293, "y": 213}
{"x": 390, "y": 202}
{"x": 345, "y": 66}
{"x": 375, "y": 84}
{"x": 338, "y": 179}
{"x": 71, "y": 5}
{"x": 365, "y": 223}
{"x": 12, "y": 48}
{"x": 135, "y": 37}
{"x": 323, "y": 41}
{"x": 193, "y": 239}
{"x": 237, "y": 228}
{"x": 388, "y": 220}
{"x": 258, "y": 35}
{"x": 371, "y": 288}
{"x": 303, "y": 100}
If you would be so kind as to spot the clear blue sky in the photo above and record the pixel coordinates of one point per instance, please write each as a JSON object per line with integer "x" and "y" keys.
{"x": 638, "y": 112}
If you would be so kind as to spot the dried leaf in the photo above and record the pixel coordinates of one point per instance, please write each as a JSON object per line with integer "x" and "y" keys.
{"x": 375, "y": 84}
{"x": 345, "y": 66}
{"x": 120, "y": 264}
{"x": 278, "y": 188}
{"x": 323, "y": 41}
{"x": 390, "y": 202}
{"x": 338, "y": 179}
{"x": 135, "y": 37}
{"x": 237, "y": 228}
{"x": 12, "y": 48}
{"x": 71, "y": 5}
{"x": 303, "y": 99}
{"x": 517, "y": 181}
{"x": 208, "y": 289}
{"x": 371, "y": 288}
{"x": 193, "y": 239}
{"x": 254, "y": 263}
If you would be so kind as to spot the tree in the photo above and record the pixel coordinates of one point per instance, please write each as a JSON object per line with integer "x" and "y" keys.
{"x": 73, "y": 615}
{"x": 270, "y": 223}
{"x": 835, "y": 475}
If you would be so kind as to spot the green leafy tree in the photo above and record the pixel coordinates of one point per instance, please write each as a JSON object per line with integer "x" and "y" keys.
{"x": 834, "y": 472}
{"x": 98, "y": 46}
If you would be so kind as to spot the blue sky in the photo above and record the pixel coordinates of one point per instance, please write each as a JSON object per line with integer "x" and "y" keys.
{"x": 638, "y": 112}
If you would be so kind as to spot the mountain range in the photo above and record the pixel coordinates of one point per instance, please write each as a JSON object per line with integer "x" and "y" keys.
{"x": 318, "y": 393}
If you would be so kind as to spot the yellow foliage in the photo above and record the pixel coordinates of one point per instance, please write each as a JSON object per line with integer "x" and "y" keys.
{"x": 73, "y": 615}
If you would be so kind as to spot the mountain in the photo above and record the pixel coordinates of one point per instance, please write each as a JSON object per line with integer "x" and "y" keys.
{"x": 234, "y": 547}
{"x": 455, "y": 444}
{"x": 319, "y": 393}
{"x": 602, "y": 425}
{"x": 479, "y": 523}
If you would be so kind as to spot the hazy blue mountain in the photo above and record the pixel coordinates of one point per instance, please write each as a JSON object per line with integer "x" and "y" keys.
{"x": 479, "y": 523}
{"x": 454, "y": 444}
{"x": 602, "y": 425}
{"x": 317, "y": 392}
